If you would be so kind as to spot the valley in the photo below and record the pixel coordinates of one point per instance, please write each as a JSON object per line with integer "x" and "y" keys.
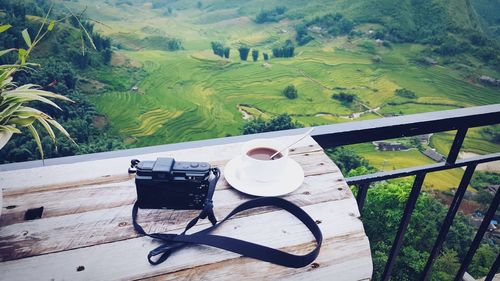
{"x": 193, "y": 94}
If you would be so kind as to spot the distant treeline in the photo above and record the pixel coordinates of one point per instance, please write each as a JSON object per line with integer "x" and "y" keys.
{"x": 273, "y": 15}
{"x": 332, "y": 24}
{"x": 65, "y": 41}
{"x": 284, "y": 51}
{"x": 61, "y": 57}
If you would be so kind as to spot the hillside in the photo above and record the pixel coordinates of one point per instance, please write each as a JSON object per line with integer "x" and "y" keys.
{"x": 60, "y": 59}
{"x": 487, "y": 12}
{"x": 165, "y": 84}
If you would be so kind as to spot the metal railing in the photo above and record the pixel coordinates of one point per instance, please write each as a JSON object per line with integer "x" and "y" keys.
{"x": 412, "y": 125}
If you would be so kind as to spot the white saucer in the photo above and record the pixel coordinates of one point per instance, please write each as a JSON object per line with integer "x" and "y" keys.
{"x": 292, "y": 179}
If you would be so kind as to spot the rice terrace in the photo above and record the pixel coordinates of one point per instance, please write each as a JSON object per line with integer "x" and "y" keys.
{"x": 192, "y": 94}
{"x": 167, "y": 83}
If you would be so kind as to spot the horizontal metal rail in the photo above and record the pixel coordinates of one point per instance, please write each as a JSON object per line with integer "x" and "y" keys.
{"x": 405, "y": 126}
{"x": 406, "y": 172}
{"x": 412, "y": 125}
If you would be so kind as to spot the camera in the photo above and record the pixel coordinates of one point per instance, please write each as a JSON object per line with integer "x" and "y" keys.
{"x": 168, "y": 184}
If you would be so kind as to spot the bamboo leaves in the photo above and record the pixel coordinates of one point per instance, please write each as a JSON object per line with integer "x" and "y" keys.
{"x": 14, "y": 113}
{"x": 26, "y": 37}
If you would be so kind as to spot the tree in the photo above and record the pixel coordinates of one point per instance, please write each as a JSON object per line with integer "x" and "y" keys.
{"x": 16, "y": 113}
{"x": 255, "y": 55}
{"x": 290, "y": 92}
{"x": 273, "y": 15}
{"x": 280, "y": 122}
{"x": 483, "y": 259}
{"x": 285, "y": 51}
{"x": 218, "y": 49}
{"x": 266, "y": 56}
{"x": 382, "y": 213}
{"x": 405, "y": 93}
{"x": 55, "y": 71}
{"x": 347, "y": 160}
{"x": 243, "y": 52}
{"x": 482, "y": 180}
{"x": 226, "y": 52}
{"x": 344, "y": 97}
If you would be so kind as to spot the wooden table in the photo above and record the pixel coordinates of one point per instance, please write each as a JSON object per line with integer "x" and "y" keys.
{"x": 85, "y": 230}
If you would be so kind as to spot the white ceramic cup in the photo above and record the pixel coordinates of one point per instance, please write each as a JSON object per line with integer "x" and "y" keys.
{"x": 262, "y": 170}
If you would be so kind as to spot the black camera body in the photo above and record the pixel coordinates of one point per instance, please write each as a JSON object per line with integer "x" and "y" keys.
{"x": 167, "y": 184}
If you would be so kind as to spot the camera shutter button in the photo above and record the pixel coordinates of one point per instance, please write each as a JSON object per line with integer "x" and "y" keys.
{"x": 194, "y": 165}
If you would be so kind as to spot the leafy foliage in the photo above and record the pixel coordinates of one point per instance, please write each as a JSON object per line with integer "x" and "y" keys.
{"x": 349, "y": 162}
{"x": 218, "y": 49}
{"x": 280, "y": 122}
{"x": 226, "y": 52}
{"x": 482, "y": 180}
{"x": 244, "y": 52}
{"x": 382, "y": 212}
{"x": 331, "y": 24}
{"x": 57, "y": 57}
{"x": 285, "y": 51}
{"x": 14, "y": 111}
{"x": 255, "y": 55}
{"x": 344, "y": 97}
{"x": 405, "y": 93}
{"x": 492, "y": 133}
{"x": 273, "y": 15}
{"x": 290, "y": 92}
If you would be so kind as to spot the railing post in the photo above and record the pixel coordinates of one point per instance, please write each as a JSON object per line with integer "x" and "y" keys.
{"x": 410, "y": 205}
{"x": 361, "y": 197}
{"x": 445, "y": 227}
{"x": 479, "y": 236}
{"x": 457, "y": 144}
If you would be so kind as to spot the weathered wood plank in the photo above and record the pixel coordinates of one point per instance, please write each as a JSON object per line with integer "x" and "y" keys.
{"x": 112, "y": 224}
{"x": 114, "y": 169}
{"x": 335, "y": 262}
{"x": 127, "y": 259}
{"x": 311, "y": 161}
{"x": 79, "y": 199}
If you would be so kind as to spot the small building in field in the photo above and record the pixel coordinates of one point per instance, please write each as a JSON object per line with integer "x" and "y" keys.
{"x": 389, "y": 146}
{"x": 433, "y": 155}
{"x": 489, "y": 80}
{"x": 315, "y": 29}
{"x": 424, "y": 137}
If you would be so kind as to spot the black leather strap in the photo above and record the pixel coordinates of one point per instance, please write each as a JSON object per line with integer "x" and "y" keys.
{"x": 174, "y": 242}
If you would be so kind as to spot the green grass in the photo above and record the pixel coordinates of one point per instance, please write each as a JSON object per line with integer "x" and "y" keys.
{"x": 474, "y": 142}
{"x": 392, "y": 160}
{"x": 192, "y": 94}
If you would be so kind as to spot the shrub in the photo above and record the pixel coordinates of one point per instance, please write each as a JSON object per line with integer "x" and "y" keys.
{"x": 273, "y": 15}
{"x": 290, "y": 92}
{"x": 243, "y": 52}
{"x": 405, "y": 93}
{"x": 344, "y": 97}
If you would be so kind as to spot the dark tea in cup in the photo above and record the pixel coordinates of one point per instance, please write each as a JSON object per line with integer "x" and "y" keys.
{"x": 264, "y": 153}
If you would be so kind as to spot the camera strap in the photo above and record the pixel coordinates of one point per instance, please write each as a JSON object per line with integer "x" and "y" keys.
{"x": 174, "y": 242}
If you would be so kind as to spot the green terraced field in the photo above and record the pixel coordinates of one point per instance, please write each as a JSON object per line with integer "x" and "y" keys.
{"x": 192, "y": 94}
{"x": 198, "y": 93}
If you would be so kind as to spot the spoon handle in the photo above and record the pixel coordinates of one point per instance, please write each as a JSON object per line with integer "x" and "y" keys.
{"x": 301, "y": 137}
